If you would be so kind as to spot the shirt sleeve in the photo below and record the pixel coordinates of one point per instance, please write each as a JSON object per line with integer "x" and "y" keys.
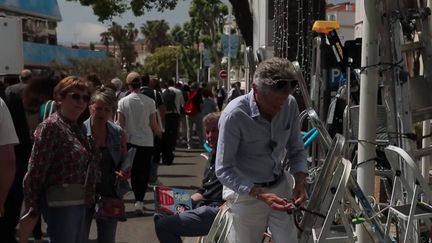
{"x": 228, "y": 142}
{"x": 295, "y": 147}
{"x": 40, "y": 160}
{"x": 7, "y": 129}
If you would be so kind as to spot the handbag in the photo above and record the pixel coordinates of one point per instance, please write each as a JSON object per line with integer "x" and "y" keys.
{"x": 65, "y": 195}
{"x": 110, "y": 208}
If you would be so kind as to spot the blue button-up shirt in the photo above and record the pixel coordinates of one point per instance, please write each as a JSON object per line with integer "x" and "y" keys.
{"x": 251, "y": 149}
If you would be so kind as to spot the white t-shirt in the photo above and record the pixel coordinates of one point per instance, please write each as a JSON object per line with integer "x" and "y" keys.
{"x": 179, "y": 99}
{"x": 137, "y": 109}
{"x": 7, "y": 130}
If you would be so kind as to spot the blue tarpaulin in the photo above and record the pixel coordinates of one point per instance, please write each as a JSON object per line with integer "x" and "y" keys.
{"x": 36, "y": 54}
{"x": 42, "y": 8}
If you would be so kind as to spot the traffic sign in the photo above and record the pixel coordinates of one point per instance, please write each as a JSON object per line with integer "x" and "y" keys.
{"x": 223, "y": 74}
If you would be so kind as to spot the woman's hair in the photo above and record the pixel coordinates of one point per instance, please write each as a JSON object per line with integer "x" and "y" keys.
{"x": 69, "y": 83}
{"x": 106, "y": 95}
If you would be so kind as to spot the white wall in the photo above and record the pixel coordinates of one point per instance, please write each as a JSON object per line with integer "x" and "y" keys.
{"x": 347, "y": 22}
{"x": 260, "y": 28}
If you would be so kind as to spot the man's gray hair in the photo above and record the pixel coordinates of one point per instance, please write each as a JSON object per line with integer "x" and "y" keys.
{"x": 117, "y": 83}
{"x": 271, "y": 70}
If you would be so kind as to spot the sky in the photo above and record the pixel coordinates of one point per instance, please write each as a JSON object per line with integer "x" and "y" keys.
{"x": 80, "y": 25}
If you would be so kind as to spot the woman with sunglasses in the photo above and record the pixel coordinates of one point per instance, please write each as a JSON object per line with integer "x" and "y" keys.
{"x": 111, "y": 141}
{"x": 60, "y": 181}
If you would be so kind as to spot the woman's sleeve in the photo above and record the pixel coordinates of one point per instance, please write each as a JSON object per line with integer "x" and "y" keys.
{"x": 40, "y": 159}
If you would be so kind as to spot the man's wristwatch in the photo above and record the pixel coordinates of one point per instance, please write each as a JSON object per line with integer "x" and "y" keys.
{"x": 255, "y": 191}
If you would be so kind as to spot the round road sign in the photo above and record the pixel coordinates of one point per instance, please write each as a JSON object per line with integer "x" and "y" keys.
{"x": 223, "y": 74}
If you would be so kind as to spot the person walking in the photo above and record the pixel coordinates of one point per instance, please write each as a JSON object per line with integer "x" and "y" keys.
{"x": 257, "y": 131}
{"x": 23, "y": 100}
{"x": 137, "y": 115}
{"x": 220, "y": 97}
{"x": 110, "y": 140}
{"x": 173, "y": 100}
{"x": 62, "y": 171}
{"x": 193, "y": 108}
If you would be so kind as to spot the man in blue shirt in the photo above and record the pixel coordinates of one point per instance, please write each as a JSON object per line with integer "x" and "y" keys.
{"x": 256, "y": 132}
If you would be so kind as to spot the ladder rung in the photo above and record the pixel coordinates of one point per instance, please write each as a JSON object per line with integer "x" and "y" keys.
{"x": 423, "y": 152}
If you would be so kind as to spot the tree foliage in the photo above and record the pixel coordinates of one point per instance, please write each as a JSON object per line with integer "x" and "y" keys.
{"x": 163, "y": 62}
{"x": 155, "y": 34}
{"x": 208, "y": 17}
{"x": 105, "y": 69}
{"x": 107, "y": 9}
{"x": 124, "y": 38}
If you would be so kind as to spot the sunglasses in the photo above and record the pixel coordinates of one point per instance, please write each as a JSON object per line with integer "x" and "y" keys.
{"x": 280, "y": 83}
{"x": 77, "y": 97}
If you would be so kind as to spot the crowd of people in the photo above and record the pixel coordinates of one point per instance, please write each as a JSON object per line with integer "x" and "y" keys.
{"x": 69, "y": 148}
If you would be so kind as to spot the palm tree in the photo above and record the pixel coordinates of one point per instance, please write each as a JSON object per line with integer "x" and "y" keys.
{"x": 155, "y": 34}
{"x": 118, "y": 35}
{"x": 131, "y": 31}
{"x": 105, "y": 39}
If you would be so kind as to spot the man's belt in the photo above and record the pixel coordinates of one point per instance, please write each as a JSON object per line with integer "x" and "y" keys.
{"x": 269, "y": 183}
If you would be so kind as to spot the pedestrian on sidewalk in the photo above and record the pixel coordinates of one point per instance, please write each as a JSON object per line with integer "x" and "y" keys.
{"x": 110, "y": 140}
{"x": 137, "y": 115}
{"x": 62, "y": 171}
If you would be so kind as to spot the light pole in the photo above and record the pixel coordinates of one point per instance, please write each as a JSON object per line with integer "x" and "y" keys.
{"x": 229, "y": 48}
{"x": 177, "y": 65}
{"x": 200, "y": 49}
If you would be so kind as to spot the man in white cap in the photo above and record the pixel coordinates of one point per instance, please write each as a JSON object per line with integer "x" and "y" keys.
{"x": 136, "y": 114}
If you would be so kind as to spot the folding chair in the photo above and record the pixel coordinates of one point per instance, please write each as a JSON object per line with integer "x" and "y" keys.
{"x": 410, "y": 201}
{"x": 221, "y": 226}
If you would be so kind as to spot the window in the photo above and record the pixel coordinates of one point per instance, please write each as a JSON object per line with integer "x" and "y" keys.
{"x": 331, "y": 17}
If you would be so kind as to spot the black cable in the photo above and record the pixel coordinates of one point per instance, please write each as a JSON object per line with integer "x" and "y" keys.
{"x": 297, "y": 213}
{"x": 381, "y": 64}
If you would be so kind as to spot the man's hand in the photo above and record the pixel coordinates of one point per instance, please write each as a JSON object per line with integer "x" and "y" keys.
{"x": 271, "y": 199}
{"x": 27, "y": 224}
{"x": 196, "y": 197}
{"x": 275, "y": 202}
{"x": 299, "y": 195}
{"x": 122, "y": 175}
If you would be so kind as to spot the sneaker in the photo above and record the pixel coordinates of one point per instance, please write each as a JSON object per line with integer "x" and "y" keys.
{"x": 155, "y": 183}
{"x": 139, "y": 207}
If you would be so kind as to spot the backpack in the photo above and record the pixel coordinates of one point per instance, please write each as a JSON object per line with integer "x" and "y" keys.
{"x": 168, "y": 97}
{"x": 46, "y": 109}
{"x": 190, "y": 107}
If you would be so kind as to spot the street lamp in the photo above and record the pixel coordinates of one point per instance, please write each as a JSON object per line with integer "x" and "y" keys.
{"x": 200, "y": 49}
